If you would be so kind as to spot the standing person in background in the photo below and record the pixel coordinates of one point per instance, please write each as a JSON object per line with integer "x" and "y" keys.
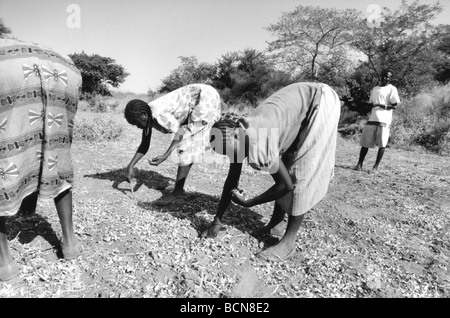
{"x": 383, "y": 100}
{"x": 189, "y": 112}
{"x": 292, "y": 135}
{"x": 39, "y": 90}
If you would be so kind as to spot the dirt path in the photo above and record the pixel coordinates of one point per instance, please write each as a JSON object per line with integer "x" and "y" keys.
{"x": 384, "y": 235}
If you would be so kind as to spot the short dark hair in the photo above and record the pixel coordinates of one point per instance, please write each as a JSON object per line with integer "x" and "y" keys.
{"x": 385, "y": 71}
{"x": 134, "y": 108}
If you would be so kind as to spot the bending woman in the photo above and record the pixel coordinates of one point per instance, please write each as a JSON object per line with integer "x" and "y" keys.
{"x": 39, "y": 92}
{"x": 188, "y": 112}
{"x": 292, "y": 135}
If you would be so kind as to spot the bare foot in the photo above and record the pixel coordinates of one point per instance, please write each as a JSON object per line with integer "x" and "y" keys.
{"x": 277, "y": 253}
{"x": 212, "y": 231}
{"x": 357, "y": 168}
{"x": 170, "y": 187}
{"x": 6, "y": 260}
{"x": 9, "y": 271}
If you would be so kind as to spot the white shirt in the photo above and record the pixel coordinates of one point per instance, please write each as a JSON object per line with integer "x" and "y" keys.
{"x": 385, "y": 95}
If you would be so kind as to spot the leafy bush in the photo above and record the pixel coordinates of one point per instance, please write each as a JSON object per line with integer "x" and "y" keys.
{"x": 239, "y": 77}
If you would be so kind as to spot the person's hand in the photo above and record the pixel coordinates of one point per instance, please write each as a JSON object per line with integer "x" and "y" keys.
{"x": 350, "y": 102}
{"x": 346, "y": 99}
{"x": 157, "y": 160}
{"x": 130, "y": 175}
{"x": 238, "y": 198}
{"x": 212, "y": 231}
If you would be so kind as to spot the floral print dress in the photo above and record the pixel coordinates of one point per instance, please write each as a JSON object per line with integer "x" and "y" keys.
{"x": 194, "y": 108}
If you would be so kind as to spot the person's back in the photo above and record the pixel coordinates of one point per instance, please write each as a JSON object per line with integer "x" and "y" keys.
{"x": 183, "y": 104}
{"x": 39, "y": 94}
{"x": 285, "y": 115}
{"x": 292, "y": 135}
{"x": 39, "y": 91}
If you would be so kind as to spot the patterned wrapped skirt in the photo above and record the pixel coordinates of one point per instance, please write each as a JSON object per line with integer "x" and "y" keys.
{"x": 39, "y": 91}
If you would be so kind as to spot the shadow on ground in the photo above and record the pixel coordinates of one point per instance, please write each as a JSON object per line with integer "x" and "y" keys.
{"x": 27, "y": 228}
{"x": 194, "y": 206}
{"x": 348, "y": 167}
{"x": 151, "y": 179}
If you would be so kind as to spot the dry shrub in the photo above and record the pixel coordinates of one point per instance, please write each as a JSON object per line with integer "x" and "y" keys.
{"x": 423, "y": 120}
{"x": 97, "y": 127}
{"x": 83, "y": 106}
{"x": 101, "y": 104}
{"x": 237, "y": 108}
{"x": 433, "y": 133}
{"x": 402, "y": 136}
{"x": 108, "y": 104}
{"x": 444, "y": 145}
{"x": 352, "y": 131}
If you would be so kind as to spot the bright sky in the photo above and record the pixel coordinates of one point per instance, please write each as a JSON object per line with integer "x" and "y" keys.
{"x": 148, "y": 36}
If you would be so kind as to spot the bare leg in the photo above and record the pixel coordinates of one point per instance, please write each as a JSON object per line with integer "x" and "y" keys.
{"x": 8, "y": 267}
{"x": 5, "y": 253}
{"x": 63, "y": 203}
{"x": 278, "y": 210}
{"x": 177, "y": 194}
{"x": 362, "y": 156}
{"x": 277, "y": 217}
{"x": 182, "y": 174}
{"x": 379, "y": 157}
{"x": 287, "y": 244}
{"x": 28, "y": 206}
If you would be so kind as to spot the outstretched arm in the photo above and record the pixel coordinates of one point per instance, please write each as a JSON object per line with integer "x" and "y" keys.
{"x": 354, "y": 105}
{"x": 283, "y": 185}
{"x": 387, "y": 107}
{"x": 231, "y": 183}
{"x": 175, "y": 142}
{"x": 141, "y": 151}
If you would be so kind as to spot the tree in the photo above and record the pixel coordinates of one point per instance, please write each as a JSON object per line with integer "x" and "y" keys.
{"x": 3, "y": 28}
{"x": 311, "y": 38}
{"x": 404, "y": 42}
{"x": 189, "y": 72}
{"x": 245, "y": 76}
{"x": 98, "y": 73}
